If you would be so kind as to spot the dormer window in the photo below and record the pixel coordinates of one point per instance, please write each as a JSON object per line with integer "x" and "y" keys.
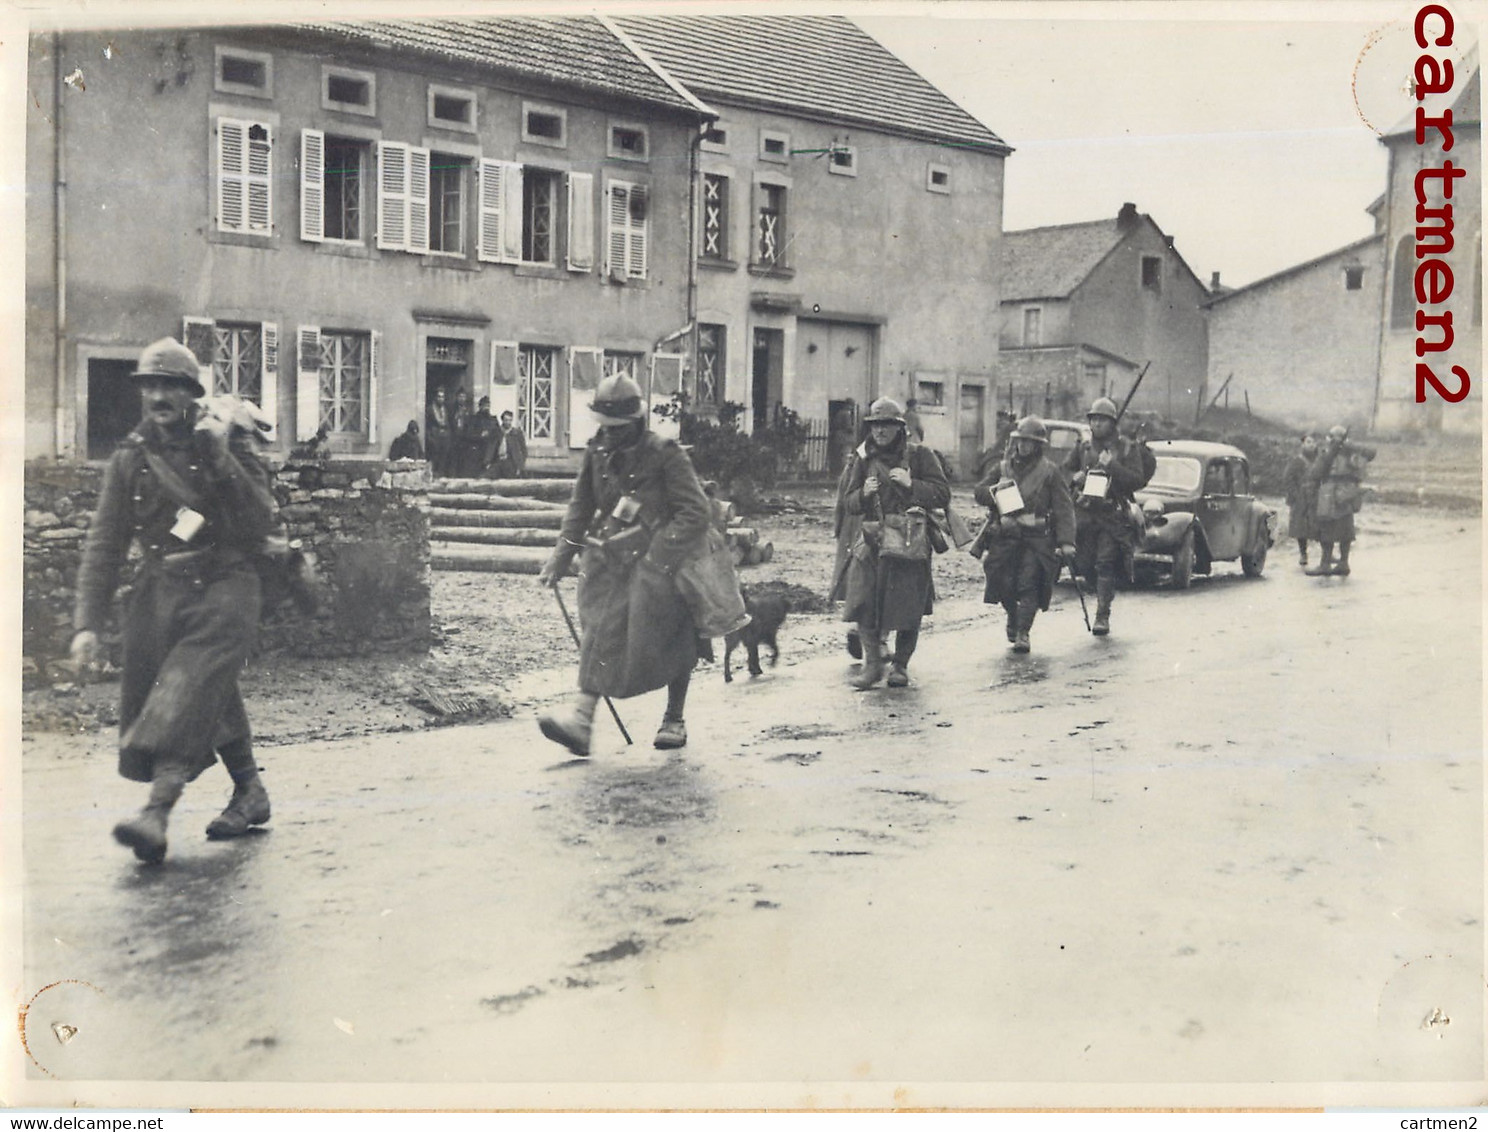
{"x": 245, "y": 72}
{"x": 351, "y": 92}
{"x": 544, "y": 125}
{"x": 452, "y": 108}
{"x": 843, "y": 160}
{"x": 774, "y": 146}
{"x": 629, "y": 143}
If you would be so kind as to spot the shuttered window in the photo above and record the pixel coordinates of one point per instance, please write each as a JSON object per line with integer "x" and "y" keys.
{"x": 626, "y": 230}
{"x": 499, "y": 227}
{"x": 245, "y": 169}
{"x": 402, "y": 197}
{"x": 240, "y": 358}
{"x": 581, "y": 221}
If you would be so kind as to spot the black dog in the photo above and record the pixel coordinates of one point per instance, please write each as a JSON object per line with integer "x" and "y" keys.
{"x": 765, "y": 617}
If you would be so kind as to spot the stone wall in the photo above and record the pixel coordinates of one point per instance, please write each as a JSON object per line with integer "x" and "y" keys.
{"x": 365, "y": 522}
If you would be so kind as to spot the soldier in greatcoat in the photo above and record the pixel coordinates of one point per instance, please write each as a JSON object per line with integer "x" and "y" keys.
{"x": 1337, "y": 480}
{"x": 1111, "y": 469}
{"x": 890, "y": 475}
{"x": 199, "y": 508}
{"x": 1029, "y": 534}
{"x": 1301, "y": 495}
{"x": 636, "y": 513}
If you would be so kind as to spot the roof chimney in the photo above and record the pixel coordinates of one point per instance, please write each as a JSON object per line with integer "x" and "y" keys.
{"x": 1126, "y": 219}
{"x": 1214, "y": 281}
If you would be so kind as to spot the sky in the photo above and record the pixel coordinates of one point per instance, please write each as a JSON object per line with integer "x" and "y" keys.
{"x": 1247, "y": 129}
{"x": 1252, "y": 142}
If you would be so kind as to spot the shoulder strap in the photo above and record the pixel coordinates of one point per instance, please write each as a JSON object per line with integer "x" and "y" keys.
{"x": 173, "y": 485}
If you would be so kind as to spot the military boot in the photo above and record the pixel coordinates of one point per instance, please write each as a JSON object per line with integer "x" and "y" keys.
{"x": 1325, "y": 567}
{"x": 1341, "y": 567}
{"x": 1027, "y": 611}
{"x": 671, "y": 735}
{"x": 572, "y": 725}
{"x": 249, "y": 807}
{"x": 1012, "y": 623}
{"x": 145, "y": 834}
{"x": 1105, "y": 593}
{"x": 873, "y": 662}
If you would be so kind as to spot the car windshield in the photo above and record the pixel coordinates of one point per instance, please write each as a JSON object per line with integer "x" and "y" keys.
{"x": 1175, "y": 473}
{"x": 1063, "y": 439}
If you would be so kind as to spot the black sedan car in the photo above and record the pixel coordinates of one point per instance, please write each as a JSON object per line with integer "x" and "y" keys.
{"x": 1198, "y": 510}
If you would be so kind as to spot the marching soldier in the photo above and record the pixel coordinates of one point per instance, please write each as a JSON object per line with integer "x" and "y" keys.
{"x": 893, "y": 482}
{"x": 199, "y": 509}
{"x": 1111, "y": 469}
{"x": 1026, "y": 527}
{"x": 636, "y": 513}
{"x": 1336, "y": 478}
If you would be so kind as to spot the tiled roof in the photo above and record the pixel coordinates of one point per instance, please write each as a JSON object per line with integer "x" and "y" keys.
{"x": 821, "y": 67}
{"x": 576, "y": 51}
{"x": 1049, "y": 263}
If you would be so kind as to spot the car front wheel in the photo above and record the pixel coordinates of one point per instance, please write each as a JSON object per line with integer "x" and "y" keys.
{"x": 1254, "y": 562}
{"x": 1183, "y": 562}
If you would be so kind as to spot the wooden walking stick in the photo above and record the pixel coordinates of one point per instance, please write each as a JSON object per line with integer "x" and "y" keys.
{"x": 574, "y": 633}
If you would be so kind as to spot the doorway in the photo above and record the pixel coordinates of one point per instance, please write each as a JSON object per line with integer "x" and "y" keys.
{"x": 971, "y": 428}
{"x": 447, "y": 367}
{"x": 842, "y": 433}
{"x": 767, "y": 371}
{"x": 113, "y": 404}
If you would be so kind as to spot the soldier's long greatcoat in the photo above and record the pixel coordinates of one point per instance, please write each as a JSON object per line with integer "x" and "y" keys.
{"x": 1301, "y": 497}
{"x": 1335, "y": 478}
{"x": 638, "y": 633}
{"x": 1106, "y": 534}
{"x": 889, "y": 594}
{"x": 1046, "y": 501}
{"x": 192, "y": 616}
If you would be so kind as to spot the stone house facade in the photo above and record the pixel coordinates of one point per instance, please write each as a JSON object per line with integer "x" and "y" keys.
{"x": 1303, "y": 344}
{"x": 1085, "y": 306}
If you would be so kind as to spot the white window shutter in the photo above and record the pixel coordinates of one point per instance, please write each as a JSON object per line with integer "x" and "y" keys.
{"x": 511, "y": 209}
{"x": 666, "y": 376}
{"x": 312, "y": 185}
{"x": 269, "y": 398}
{"x": 418, "y": 199}
{"x": 374, "y": 384}
{"x": 581, "y": 221}
{"x": 392, "y": 196}
{"x": 617, "y": 223}
{"x": 502, "y": 388}
{"x": 489, "y": 211}
{"x": 585, "y": 364}
{"x": 640, "y": 221}
{"x": 260, "y": 177}
{"x": 307, "y": 382}
{"x": 232, "y": 167}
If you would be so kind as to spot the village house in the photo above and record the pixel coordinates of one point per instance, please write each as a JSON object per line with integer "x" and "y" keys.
{"x": 1333, "y": 340}
{"x": 1452, "y": 232}
{"x": 849, "y": 219}
{"x": 1302, "y": 345}
{"x": 1086, "y": 306}
{"x": 340, "y": 219}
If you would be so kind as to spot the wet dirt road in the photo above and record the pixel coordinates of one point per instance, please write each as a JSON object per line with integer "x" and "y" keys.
{"x": 1238, "y": 841}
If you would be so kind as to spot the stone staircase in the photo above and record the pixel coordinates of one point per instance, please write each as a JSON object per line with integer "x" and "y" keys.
{"x": 495, "y": 526}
